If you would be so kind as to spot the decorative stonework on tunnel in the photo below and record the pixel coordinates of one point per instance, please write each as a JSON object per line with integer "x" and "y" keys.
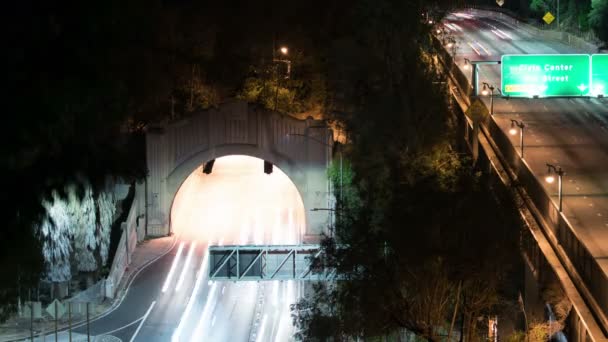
{"x": 300, "y": 148}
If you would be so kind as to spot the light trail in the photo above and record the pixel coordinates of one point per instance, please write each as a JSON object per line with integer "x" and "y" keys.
{"x": 210, "y": 304}
{"x": 262, "y": 329}
{"x": 172, "y": 270}
{"x": 186, "y": 265}
{"x": 236, "y": 204}
{"x": 199, "y": 277}
{"x": 474, "y": 49}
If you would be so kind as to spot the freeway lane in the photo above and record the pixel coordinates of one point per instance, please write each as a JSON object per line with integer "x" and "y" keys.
{"x": 570, "y": 132}
{"x": 236, "y": 204}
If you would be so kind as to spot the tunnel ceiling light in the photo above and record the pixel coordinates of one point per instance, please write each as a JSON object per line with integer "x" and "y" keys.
{"x": 208, "y": 167}
{"x": 267, "y": 167}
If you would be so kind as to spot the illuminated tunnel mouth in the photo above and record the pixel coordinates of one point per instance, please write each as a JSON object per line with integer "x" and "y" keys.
{"x": 237, "y": 203}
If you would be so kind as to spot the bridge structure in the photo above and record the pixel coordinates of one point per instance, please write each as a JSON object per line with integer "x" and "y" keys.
{"x": 266, "y": 263}
{"x": 302, "y": 149}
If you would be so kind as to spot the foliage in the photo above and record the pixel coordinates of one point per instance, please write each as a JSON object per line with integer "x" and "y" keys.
{"x": 598, "y": 18}
{"x": 541, "y": 6}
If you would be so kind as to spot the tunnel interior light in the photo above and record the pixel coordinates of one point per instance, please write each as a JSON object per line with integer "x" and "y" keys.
{"x": 267, "y": 167}
{"x": 208, "y": 167}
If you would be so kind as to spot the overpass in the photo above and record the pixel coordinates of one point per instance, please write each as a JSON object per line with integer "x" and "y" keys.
{"x": 570, "y": 244}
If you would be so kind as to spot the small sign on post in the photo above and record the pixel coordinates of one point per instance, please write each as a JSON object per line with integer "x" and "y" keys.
{"x": 56, "y": 305}
{"x": 548, "y": 18}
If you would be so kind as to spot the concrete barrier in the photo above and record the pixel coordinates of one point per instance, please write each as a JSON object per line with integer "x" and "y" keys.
{"x": 132, "y": 233}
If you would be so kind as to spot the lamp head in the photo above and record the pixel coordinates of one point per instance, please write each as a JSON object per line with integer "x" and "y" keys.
{"x": 284, "y": 50}
{"x": 484, "y": 92}
{"x": 549, "y": 179}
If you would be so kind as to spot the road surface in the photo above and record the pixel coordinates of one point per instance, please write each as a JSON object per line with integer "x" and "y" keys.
{"x": 173, "y": 300}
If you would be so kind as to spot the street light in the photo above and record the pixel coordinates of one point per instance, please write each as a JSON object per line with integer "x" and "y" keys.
{"x": 467, "y": 64}
{"x": 484, "y": 92}
{"x": 284, "y": 50}
{"x": 551, "y": 169}
{"x": 513, "y": 131}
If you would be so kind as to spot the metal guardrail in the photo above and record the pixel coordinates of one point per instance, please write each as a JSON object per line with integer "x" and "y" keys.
{"x": 265, "y": 262}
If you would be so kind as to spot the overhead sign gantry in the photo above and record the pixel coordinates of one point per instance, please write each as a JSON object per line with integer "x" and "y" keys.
{"x": 546, "y": 75}
{"x": 554, "y": 75}
{"x": 599, "y": 75}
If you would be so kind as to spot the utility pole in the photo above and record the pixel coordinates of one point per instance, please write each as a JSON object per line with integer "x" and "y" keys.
{"x": 70, "y": 321}
{"x": 56, "y": 315}
{"x": 88, "y": 328}
{"x": 32, "y": 320}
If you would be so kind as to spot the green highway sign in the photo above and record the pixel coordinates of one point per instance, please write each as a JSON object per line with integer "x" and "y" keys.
{"x": 599, "y": 75}
{"x": 545, "y": 75}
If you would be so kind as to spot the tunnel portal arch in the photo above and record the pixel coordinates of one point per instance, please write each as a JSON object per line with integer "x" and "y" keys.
{"x": 300, "y": 148}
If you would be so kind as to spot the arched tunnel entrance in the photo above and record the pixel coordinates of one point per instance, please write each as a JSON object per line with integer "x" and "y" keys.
{"x": 236, "y": 203}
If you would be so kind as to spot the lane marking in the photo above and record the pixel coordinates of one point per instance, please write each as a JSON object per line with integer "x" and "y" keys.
{"x": 142, "y": 321}
{"x": 123, "y": 327}
{"x": 172, "y": 270}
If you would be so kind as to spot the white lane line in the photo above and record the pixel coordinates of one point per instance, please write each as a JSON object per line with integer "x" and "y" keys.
{"x": 123, "y": 327}
{"x": 186, "y": 265}
{"x": 172, "y": 270}
{"x": 142, "y": 321}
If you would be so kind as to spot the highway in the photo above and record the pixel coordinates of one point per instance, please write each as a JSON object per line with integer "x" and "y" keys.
{"x": 569, "y": 132}
{"x": 172, "y": 300}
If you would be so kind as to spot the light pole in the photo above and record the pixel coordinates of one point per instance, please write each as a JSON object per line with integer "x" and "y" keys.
{"x": 557, "y": 11}
{"x": 284, "y": 50}
{"x": 550, "y": 179}
{"x": 484, "y": 92}
{"x": 513, "y": 131}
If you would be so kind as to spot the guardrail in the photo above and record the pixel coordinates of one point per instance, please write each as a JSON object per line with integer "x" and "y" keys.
{"x": 127, "y": 244}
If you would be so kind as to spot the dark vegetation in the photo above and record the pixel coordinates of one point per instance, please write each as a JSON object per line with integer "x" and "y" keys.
{"x": 426, "y": 236}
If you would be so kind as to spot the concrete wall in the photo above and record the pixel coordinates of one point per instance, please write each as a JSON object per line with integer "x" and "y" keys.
{"x": 132, "y": 230}
{"x": 175, "y": 150}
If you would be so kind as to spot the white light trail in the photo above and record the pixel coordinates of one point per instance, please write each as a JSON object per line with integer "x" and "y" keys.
{"x": 276, "y": 229}
{"x": 483, "y": 48}
{"x": 199, "y": 332}
{"x": 172, "y": 270}
{"x": 197, "y": 286}
{"x": 260, "y": 337}
{"x": 186, "y": 265}
{"x": 474, "y": 49}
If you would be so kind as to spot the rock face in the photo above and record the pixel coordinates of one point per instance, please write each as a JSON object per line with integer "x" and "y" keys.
{"x": 76, "y": 230}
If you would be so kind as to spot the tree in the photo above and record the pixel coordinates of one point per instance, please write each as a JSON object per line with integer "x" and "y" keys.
{"x": 598, "y": 18}
{"x": 421, "y": 240}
